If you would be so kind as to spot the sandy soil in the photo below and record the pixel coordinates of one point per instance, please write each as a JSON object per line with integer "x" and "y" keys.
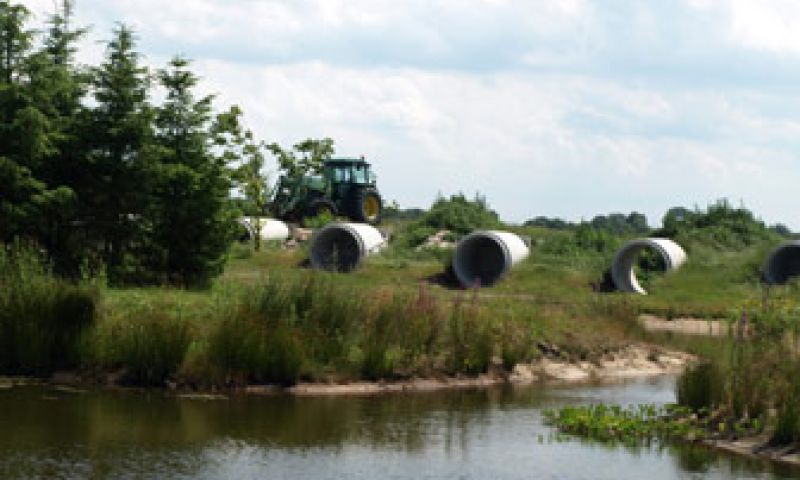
{"x": 689, "y": 326}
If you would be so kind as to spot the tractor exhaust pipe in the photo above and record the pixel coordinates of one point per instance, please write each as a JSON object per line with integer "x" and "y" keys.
{"x": 341, "y": 247}
{"x": 484, "y": 257}
{"x": 622, "y": 267}
{"x": 782, "y": 264}
{"x": 271, "y": 229}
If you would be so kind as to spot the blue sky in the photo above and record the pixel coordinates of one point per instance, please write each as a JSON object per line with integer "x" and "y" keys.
{"x": 552, "y": 107}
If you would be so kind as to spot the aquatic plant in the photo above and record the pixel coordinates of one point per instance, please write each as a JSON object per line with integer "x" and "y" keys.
{"x": 635, "y": 424}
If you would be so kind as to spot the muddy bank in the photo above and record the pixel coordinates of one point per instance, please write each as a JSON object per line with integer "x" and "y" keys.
{"x": 760, "y": 448}
{"x": 640, "y": 360}
{"x": 629, "y": 362}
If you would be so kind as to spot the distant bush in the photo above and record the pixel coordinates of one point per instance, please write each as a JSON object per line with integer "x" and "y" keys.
{"x": 457, "y": 214}
{"x": 550, "y": 222}
{"x": 584, "y": 239}
{"x": 394, "y": 212}
{"x": 721, "y": 226}
{"x": 616, "y": 223}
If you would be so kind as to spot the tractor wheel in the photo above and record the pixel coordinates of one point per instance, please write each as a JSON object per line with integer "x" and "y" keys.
{"x": 365, "y": 205}
{"x": 319, "y": 207}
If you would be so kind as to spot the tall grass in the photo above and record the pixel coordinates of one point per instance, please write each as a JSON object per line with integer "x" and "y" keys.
{"x": 311, "y": 326}
{"x": 42, "y": 317}
{"x": 283, "y": 327}
{"x": 754, "y": 377}
{"x": 147, "y": 346}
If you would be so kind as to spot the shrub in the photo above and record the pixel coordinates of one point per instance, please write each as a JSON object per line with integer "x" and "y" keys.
{"x": 721, "y": 226}
{"x": 457, "y": 214}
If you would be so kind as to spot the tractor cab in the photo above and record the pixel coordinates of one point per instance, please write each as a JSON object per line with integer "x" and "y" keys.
{"x": 349, "y": 171}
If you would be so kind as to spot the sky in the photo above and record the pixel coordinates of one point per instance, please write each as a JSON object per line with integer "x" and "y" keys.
{"x": 567, "y": 108}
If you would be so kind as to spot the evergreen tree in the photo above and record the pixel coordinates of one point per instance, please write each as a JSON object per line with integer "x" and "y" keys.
{"x": 61, "y": 87}
{"x": 191, "y": 215}
{"x": 119, "y": 166}
{"x": 28, "y": 135}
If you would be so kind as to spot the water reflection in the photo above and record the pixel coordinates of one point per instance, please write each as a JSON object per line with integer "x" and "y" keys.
{"x": 463, "y": 434}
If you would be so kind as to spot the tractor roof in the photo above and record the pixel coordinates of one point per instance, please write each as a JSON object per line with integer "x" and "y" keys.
{"x": 343, "y": 162}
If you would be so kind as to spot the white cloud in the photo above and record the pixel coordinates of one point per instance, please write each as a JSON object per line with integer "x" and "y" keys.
{"x": 568, "y": 107}
{"x": 767, "y": 25}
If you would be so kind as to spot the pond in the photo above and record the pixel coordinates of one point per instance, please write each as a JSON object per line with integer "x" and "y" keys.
{"x": 466, "y": 434}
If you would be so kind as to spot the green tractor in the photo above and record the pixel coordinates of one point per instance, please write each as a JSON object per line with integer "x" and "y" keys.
{"x": 346, "y": 187}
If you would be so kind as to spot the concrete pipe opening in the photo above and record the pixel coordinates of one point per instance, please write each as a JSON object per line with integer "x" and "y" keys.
{"x": 783, "y": 263}
{"x": 341, "y": 247}
{"x": 482, "y": 258}
{"x": 622, "y": 269}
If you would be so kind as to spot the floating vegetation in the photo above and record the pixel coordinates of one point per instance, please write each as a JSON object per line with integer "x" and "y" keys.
{"x": 631, "y": 425}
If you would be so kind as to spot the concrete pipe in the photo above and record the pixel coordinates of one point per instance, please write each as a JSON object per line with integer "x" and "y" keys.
{"x": 622, "y": 269}
{"x": 271, "y": 229}
{"x": 341, "y": 247}
{"x": 783, "y": 263}
{"x": 484, "y": 257}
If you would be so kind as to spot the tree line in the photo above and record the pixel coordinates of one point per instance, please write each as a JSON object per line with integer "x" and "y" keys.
{"x": 105, "y": 180}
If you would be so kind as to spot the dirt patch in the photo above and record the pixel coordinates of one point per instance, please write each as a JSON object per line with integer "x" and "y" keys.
{"x": 687, "y": 326}
{"x": 413, "y": 385}
{"x": 630, "y": 362}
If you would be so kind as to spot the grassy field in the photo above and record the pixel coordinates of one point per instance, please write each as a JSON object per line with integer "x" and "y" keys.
{"x": 271, "y": 319}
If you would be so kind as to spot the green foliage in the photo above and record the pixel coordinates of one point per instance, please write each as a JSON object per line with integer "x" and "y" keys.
{"x": 787, "y": 421}
{"x": 460, "y": 215}
{"x": 699, "y": 387}
{"x": 457, "y": 214}
{"x": 251, "y": 179}
{"x": 632, "y": 425}
{"x": 42, "y": 318}
{"x": 721, "y": 226}
{"x": 633, "y": 223}
{"x": 120, "y": 159}
{"x": 190, "y": 220}
{"x": 392, "y": 211}
{"x": 141, "y": 189}
{"x": 307, "y": 156}
{"x": 549, "y": 222}
{"x": 584, "y": 240}
{"x": 34, "y": 95}
{"x": 319, "y": 221}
